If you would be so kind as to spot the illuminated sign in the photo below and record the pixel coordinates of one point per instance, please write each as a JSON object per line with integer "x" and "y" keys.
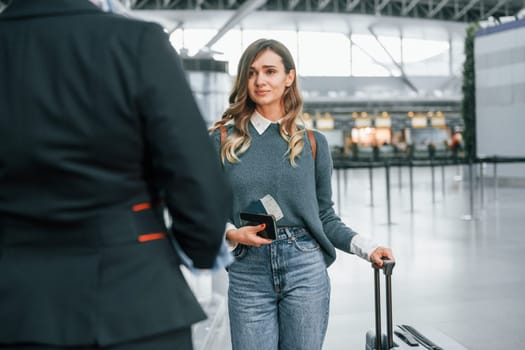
{"x": 363, "y": 122}
{"x": 419, "y": 122}
{"x": 383, "y": 122}
{"x": 438, "y": 121}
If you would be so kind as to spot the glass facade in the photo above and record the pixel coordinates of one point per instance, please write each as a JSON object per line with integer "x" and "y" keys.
{"x": 338, "y": 54}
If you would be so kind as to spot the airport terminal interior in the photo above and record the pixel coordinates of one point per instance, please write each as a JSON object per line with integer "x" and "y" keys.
{"x": 389, "y": 82}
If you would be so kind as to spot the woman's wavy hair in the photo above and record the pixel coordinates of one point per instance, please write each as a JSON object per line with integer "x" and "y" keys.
{"x": 241, "y": 107}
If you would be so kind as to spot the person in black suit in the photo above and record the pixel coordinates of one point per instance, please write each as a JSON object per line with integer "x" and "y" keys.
{"x": 100, "y": 135}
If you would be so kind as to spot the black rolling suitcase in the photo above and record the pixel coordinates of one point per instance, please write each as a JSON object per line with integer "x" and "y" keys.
{"x": 403, "y": 336}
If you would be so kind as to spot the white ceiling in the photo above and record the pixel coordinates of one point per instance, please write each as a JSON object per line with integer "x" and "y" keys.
{"x": 306, "y": 21}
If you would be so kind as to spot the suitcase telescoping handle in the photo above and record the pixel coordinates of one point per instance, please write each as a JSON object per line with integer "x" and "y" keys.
{"x": 388, "y": 267}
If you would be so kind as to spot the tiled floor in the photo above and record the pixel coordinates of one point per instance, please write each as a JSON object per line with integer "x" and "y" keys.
{"x": 464, "y": 278}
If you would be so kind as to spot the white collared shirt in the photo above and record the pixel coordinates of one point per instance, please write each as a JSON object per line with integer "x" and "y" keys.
{"x": 261, "y": 123}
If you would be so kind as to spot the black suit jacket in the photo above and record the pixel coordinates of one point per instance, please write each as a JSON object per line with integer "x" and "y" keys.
{"x": 99, "y": 132}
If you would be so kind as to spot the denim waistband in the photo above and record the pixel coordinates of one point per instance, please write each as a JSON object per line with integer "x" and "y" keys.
{"x": 286, "y": 232}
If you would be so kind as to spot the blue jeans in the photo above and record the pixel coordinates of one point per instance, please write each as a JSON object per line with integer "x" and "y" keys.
{"x": 279, "y": 294}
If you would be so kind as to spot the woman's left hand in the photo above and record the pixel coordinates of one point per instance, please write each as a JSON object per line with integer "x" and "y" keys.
{"x": 376, "y": 257}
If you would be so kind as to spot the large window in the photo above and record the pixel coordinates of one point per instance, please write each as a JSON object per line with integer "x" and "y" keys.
{"x": 228, "y": 49}
{"x": 323, "y": 54}
{"x": 191, "y": 40}
{"x": 426, "y": 57}
{"x": 457, "y": 55}
{"x": 337, "y": 54}
{"x": 375, "y": 57}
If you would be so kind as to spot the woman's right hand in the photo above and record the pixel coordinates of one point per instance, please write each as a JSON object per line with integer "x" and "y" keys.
{"x": 247, "y": 235}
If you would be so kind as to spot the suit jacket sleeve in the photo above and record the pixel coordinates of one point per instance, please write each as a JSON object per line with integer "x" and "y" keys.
{"x": 185, "y": 167}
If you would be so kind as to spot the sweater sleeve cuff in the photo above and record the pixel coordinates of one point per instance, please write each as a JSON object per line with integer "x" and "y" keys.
{"x": 362, "y": 246}
{"x": 231, "y": 245}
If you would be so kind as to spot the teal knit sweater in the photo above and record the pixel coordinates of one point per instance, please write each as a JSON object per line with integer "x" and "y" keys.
{"x": 303, "y": 192}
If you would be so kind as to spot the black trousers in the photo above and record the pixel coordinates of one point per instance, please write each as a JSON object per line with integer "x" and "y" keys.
{"x": 175, "y": 340}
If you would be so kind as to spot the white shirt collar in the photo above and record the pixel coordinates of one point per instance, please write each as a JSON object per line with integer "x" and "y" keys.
{"x": 260, "y": 123}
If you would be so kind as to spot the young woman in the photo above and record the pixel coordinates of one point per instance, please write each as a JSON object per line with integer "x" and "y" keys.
{"x": 279, "y": 290}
